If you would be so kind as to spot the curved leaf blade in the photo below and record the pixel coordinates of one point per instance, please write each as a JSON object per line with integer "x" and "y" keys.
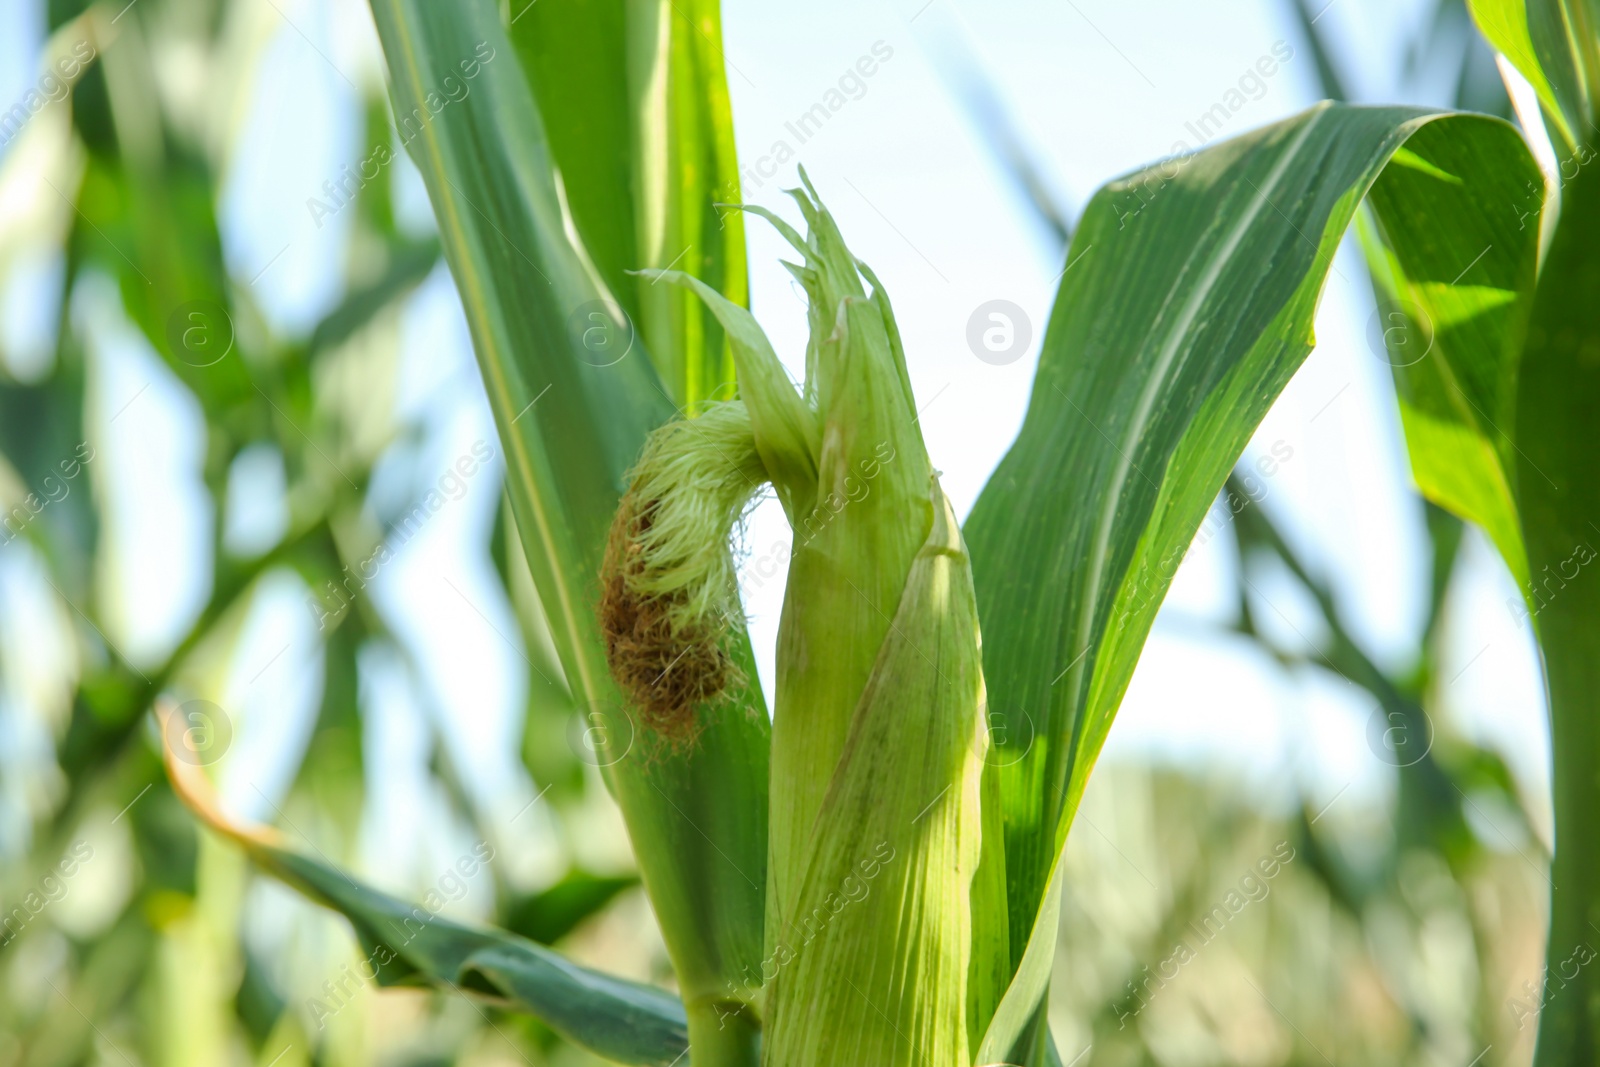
{"x": 408, "y": 944}
{"x": 635, "y": 105}
{"x": 1555, "y": 44}
{"x": 1192, "y": 308}
{"x": 1453, "y": 309}
{"x": 1505, "y": 24}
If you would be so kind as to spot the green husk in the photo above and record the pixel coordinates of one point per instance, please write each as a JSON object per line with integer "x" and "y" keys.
{"x": 878, "y": 740}
{"x": 871, "y": 963}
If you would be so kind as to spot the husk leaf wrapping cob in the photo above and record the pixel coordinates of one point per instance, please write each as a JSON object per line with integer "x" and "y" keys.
{"x": 878, "y": 736}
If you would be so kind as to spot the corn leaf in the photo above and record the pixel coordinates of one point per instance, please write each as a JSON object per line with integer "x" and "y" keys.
{"x": 410, "y": 944}
{"x": 1453, "y": 306}
{"x": 571, "y": 427}
{"x": 1555, "y": 44}
{"x": 551, "y": 914}
{"x": 635, "y": 106}
{"x": 1521, "y": 461}
{"x": 679, "y": 85}
{"x": 1188, "y": 306}
{"x": 575, "y": 57}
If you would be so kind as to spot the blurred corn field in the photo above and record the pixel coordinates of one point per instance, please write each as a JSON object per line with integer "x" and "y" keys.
{"x": 339, "y": 479}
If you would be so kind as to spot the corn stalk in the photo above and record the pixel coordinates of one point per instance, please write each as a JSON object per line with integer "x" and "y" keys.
{"x": 875, "y": 877}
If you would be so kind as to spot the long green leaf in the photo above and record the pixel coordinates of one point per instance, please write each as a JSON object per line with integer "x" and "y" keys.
{"x": 1553, "y": 44}
{"x": 1499, "y": 430}
{"x": 408, "y": 944}
{"x": 678, "y": 84}
{"x": 1528, "y": 473}
{"x": 575, "y": 56}
{"x": 635, "y": 105}
{"x": 1453, "y": 304}
{"x": 1188, "y": 306}
{"x": 570, "y": 429}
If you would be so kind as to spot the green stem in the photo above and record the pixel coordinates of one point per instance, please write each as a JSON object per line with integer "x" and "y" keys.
{"x": 1558, "y": 490}
{"x": 1569, "y": 1022}
{"x": 723, "y": 1034}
